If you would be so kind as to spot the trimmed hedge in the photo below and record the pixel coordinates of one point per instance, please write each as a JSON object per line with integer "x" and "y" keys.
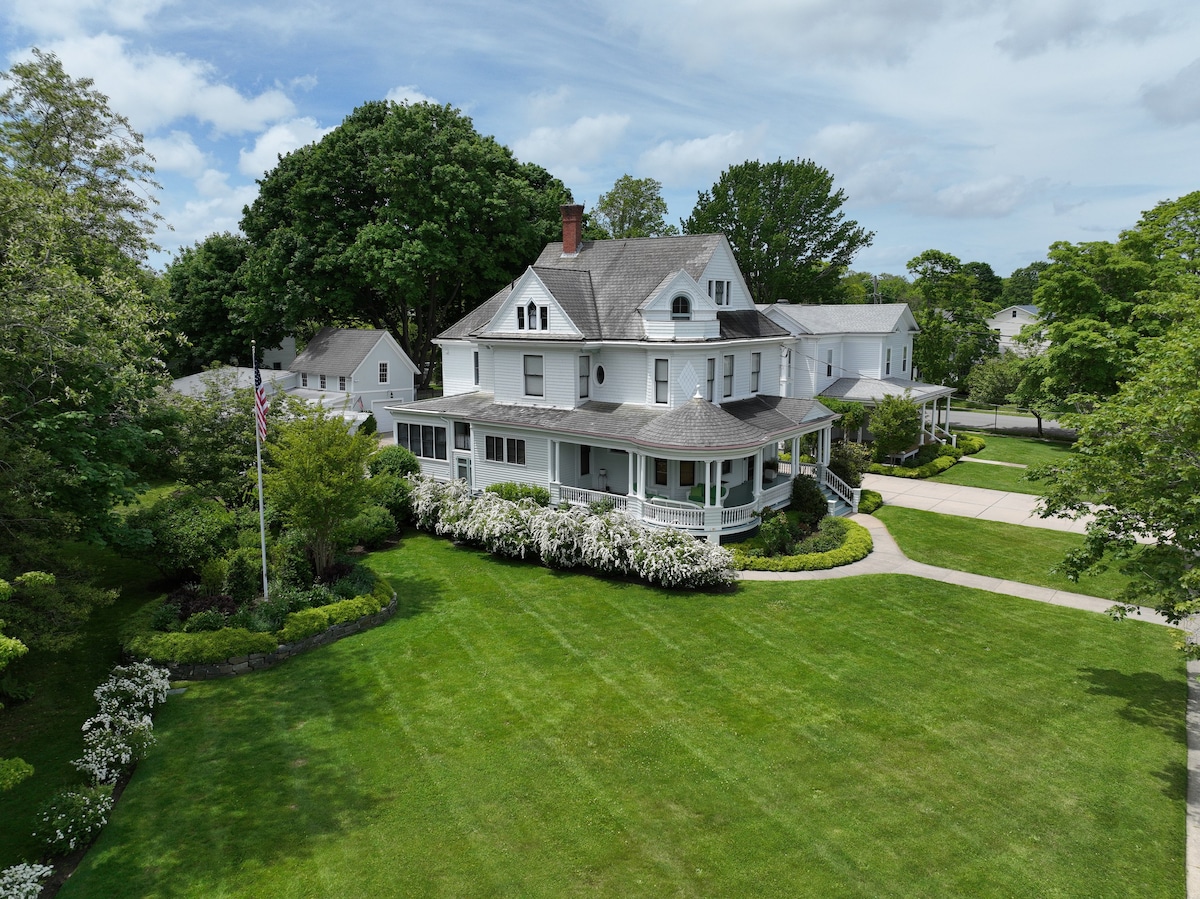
{"x": 206, "y": 646}
{"x": 309, "y": 622}
{"x": 856, "y": 546}
{"x": 928, "y": 470}
{"x": 870, "y": 501}
{"x": 209, "y": 647}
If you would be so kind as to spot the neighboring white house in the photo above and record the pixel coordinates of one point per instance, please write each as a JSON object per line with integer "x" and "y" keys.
{"x": 1008, "y": 323}
{"x": 859, "y": 354}
{"x": 353, "y": 371}
{"x": 637, "y": 372}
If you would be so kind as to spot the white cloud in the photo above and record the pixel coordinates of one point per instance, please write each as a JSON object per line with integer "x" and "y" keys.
{"x": 177, "y": 152}
{"x": 1176, "y": 101}
{"x": 58, "y": 18}
{"x": 989, "y": 198}
{"x": 155, "y": 89}
{"x": 683, "y": 161}
{"x": 564, "y": 149}
{"x": 1034, "y": 26}
{"x": 277, "y": 141}
{"x": 407, "y": 93}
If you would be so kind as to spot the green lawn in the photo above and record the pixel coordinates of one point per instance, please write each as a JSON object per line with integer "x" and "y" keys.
{"x": 994, "y": 549}
{"x": 521, "y": 732}
{"x": 1022, "y": 450}
{"x": 991, "y": 477}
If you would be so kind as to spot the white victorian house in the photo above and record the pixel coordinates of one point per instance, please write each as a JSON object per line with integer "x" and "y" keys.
{"x": 634, "y": 371}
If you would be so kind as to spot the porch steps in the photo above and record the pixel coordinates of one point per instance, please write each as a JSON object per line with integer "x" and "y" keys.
{"x": 841, "y": 508}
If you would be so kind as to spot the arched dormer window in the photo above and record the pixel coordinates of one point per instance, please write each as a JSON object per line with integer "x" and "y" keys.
{"x": 681, "y": 308}
{"x": 531, "y": 313}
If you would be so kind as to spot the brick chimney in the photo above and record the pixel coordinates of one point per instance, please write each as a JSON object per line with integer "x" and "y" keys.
{"x": 572, "y": 217}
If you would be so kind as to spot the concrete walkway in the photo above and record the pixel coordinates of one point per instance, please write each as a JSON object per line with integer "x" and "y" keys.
{"x": 969, "y": 502}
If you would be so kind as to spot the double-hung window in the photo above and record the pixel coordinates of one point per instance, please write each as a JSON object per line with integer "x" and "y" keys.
{"x": 505, "y": 449}
{"x": 585, "y": 372}
{"x": 475, "y": 363}
{"x": 304, "y": 379}
{"x": 323, "y": 384}
{"x": 719, "y": 291}
{"x": 887, "y": 362}
{"x": 711, "y": 379}
{"x": 534, "y": 382}
{"x": 462, "y": 435}
{"x": 829, "y": 363}
{"x": 661, "y": 370}
{"x": 383, "y": 372}
{"x": 728, "y": 391}
{"x": 904, "y": 359}
{"x": 342, "y": 383}
{"x": 755, "y": 371}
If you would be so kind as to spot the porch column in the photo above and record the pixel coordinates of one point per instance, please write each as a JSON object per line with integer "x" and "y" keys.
{"x": 641, "y": 470}
{"x": 758, "y": 475}
{"x": 553, "y": 461}
{"x": 631, "y": 482}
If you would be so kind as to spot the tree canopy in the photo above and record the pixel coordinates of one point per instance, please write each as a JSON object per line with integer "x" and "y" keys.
{"x": 785, "y": 223}
{"x": 403, "y": 217}
{"x": 207, "y": 295}
{"x": 954, "y": 302}
{"x": 633, "y": 208}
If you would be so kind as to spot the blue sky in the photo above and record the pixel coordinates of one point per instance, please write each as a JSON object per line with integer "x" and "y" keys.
{"x": 984, "y": 129}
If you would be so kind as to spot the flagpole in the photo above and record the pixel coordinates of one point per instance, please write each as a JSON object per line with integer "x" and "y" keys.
{"x": 259, "y": 422}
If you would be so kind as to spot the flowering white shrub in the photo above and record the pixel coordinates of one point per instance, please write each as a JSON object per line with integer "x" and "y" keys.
{"x": 121, "y": 733}
{"x": 610, "y": 542}
{"x": 559, "y": 536}
{"x": 501, "y": 526}
{"x": 426, "y": 498}
{"x": 23, "y": 881}
{"x": 454, "y": 510}
{"x": 72, "y": 818}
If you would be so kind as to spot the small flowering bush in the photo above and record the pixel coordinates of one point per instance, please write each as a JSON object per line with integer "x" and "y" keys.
{"x": 501, "y": 526}
{"x": 23, "y": 881}
{"x": 607, "y": 541}
{"x": 71, "y": 819}
{"x": 121, "y": 732}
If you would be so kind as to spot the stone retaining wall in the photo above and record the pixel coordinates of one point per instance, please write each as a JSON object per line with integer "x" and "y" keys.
{"x": 259, "y": 660}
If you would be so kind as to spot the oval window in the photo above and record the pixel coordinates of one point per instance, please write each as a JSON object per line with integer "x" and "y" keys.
{"x": 599, "y": 374}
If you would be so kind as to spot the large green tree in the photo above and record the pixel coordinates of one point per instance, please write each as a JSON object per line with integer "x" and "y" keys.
{"x": 633, "y": 208}
{"x": 403, "y": 217}
{"x": 208, "y": 303}
{"x": 80, "y": 316}
{"x": 952, "y": 308}
{"x": 1137, "y": 469}
{"x": 785, "y": 223}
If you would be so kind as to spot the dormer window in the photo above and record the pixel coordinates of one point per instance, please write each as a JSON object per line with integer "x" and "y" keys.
{"x": 681, "y": 308}
{"x": 719, "y": 291}
{"x": 533, "y": 317}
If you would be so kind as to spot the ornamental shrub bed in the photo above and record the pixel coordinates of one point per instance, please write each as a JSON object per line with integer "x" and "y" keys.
{"x": 607, "y": 542}
{"x": 856, "y": 544}
{"x": 927, "y": 470}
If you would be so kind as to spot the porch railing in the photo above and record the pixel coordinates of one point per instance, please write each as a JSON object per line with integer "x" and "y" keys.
{"x": 840, "y": 487}
{"x": 581, "y": 496}
{"x": 674, "y": 514}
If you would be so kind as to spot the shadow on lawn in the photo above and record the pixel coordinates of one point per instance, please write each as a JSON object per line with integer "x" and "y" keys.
{"x": 1150, "y": 699}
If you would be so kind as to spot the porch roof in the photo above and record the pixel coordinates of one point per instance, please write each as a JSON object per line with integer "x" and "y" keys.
{"x": 872, "y": 390}
{"x": 697, "y": 425}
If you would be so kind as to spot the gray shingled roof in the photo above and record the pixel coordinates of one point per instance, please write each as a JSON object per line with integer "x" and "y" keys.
{"x": 602, "y": 286}
{"x": 872, "y": 390}
{"x": 851, "y": 319}
{"x": 696, "y": 425}
{"x": 336, "y": 351}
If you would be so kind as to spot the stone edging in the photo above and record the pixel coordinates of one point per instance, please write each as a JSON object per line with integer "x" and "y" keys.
{"x": 257, "y": 661}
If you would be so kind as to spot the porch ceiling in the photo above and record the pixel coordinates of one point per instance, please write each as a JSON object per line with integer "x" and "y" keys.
{"x": 697, "y": 425}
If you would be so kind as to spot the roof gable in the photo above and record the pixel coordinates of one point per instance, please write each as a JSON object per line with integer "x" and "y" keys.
{"x": 561, "y": 295}
{"x": 340, "y": 351}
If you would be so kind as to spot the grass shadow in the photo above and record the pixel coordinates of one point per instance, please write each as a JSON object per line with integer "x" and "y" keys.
{"x": 1151, "y": 700}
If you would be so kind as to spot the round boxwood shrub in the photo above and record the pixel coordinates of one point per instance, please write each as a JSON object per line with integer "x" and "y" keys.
{"x": 870, "y": 501}
{"x": 394, "y": 460}
{"x": 371, "y": 527}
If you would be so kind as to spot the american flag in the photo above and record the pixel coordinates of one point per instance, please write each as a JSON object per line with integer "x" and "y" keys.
{"x": 260, "y": 404}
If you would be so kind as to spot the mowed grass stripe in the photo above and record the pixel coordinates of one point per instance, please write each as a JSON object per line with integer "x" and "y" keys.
{"x": 523, "y": 732}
